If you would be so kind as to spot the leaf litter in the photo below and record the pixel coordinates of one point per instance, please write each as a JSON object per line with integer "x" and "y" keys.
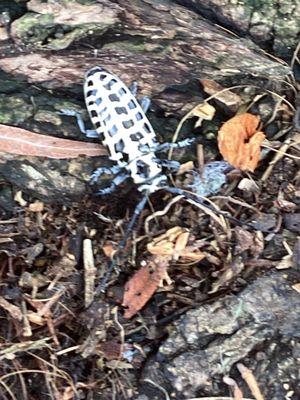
{"x": 169, "y": 246}
{"x": 185, "y": 255}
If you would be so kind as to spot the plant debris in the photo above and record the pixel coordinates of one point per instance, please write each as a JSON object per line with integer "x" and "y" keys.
{"x": 240, "y": 142}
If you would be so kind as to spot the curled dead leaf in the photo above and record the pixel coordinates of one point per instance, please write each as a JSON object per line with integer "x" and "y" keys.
{"x": 239, "y": 141}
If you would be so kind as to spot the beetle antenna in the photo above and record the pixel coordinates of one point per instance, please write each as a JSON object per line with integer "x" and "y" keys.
{"x": 112, "y": 265}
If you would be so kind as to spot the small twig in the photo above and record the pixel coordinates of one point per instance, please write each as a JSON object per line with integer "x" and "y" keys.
{"x": 7, "y": 388}
{"x": 46, "y": 309}
{"x": 283, "y": 153}
{"x": 57, "y": 372}
{"x": 24, "y": 346}
{"x": 50, "y": 382}
{"x": 122, "y": 331}
{"x": 295, "y": 55}
{"x": 27, "y": 332}
{"x": 160, "y": 213}
{"x": 158, "y": 387}
{"x": 237, "y": 393}
{"x": 216, "y": 215}
{"x": 68, "y": 350}
{"x": 13, "y": 310}
{"x": 18, "y": 366}
{"x": 89, "y": 272}
{"x": 274, "y": 113}
{"x": 235, "y": 201}
{"x": 112, "y": 265}
{"x": 9, "y": 221}
{"x": 200, "y": 158}
{"x": 249, "y": 378}
{"x": 278, "y": 156}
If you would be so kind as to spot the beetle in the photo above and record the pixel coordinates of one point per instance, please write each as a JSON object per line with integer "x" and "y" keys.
{"x": 122, "y": 125}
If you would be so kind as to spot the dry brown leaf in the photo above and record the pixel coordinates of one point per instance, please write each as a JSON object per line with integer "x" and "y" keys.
{"x": 203, "y": 111}
{"x": 181, "y": 241}
{"x": 140, "y": 288}
{"x": 286, "y": 262}
{"x": 185, "y": 167}
{"x": 244, "y": 240}
{"x": 239, "y": 141}
{"x": 173, "y": 244}
{"x": 20, "y": 141}
{"x": 163, "y": 245}
{"x": 181, "y": 244}
{"x": 216, "y": 90}
{"x": 13, "y": 310}
{"x": 37, "y": 206}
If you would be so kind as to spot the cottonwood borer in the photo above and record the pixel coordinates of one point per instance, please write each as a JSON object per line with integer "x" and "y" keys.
{"x": 122, "y": 126}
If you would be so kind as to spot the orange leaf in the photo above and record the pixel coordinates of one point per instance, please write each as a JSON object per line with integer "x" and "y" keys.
{"x": 239, "y": 142}
{"x": 20, "y": 141}
{"x": 143, "y": 284}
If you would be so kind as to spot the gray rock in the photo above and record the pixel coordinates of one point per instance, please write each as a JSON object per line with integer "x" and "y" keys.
{"x": 255, "y": 327}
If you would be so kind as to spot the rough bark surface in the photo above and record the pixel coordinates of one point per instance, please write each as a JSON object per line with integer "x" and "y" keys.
{"x": 273, "y": 25}
{"x": 160, "y": 42}
{"x": 166, "y": 47}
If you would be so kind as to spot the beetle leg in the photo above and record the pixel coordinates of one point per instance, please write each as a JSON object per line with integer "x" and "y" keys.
{"x": 71, "y": 113}
{"x": 133, "y": 87}
{"x": 114, "y": 183}
{"x": 145, "y": 103}
{"x": 171, "y": 164}
{"x": 166, "y": 146}
{"x": 115, "y": 169}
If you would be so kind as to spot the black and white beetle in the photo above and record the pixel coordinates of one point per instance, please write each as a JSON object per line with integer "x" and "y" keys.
{"x": 122, "y": 126}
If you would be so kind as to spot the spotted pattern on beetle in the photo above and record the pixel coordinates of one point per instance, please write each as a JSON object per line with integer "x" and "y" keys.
{"x": 123, "y": 128}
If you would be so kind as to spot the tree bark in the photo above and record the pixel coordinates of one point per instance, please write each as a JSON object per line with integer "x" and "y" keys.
{"x": 162, "y": 45}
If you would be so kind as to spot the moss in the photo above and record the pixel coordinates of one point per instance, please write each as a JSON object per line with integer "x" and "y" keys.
{"x": 47, "y": 117}
{"x": 14, "y": 110}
